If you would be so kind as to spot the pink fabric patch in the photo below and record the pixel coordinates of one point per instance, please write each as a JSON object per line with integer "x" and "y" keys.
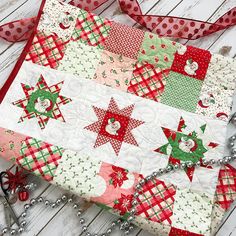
{"x": 118, "y": 181}
{"x": 114, "y": 70}
{"x": 10, "y": 144}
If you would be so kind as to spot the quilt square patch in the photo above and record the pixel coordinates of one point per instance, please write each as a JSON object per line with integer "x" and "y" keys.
{"x": 192, "y": 211}
{"x": 147, "y": 81}
{"x": 191, "y": 61}
{"x": 91, "y": 29}
{"x": 46, "y": 50}
{"x": 181, "y": 92}
{"x": 124, "y": 40}
{"x": 114, "y": 70}
{"x": 157, "y": 51}
{"x": 119, "y": 187}
{"x": 217, "y": 91}
{"x": 42, "y": 102}
{"x": 78, "y": 172}
{"x": 226, "y": 187}
{"x": 58, "y": 18}
{"x": 81, "y": 60}
{"x": 39, "y": 157}
{"x": 156, "y": 201}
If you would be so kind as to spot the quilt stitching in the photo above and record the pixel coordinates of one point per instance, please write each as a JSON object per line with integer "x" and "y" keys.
{"x": 157, "y": 51}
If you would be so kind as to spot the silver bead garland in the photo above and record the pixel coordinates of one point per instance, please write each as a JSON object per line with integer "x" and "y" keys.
{"x": 122, "y": 225}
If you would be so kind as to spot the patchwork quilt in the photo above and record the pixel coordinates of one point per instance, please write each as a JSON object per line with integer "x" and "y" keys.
{"x": 95, "y": 106}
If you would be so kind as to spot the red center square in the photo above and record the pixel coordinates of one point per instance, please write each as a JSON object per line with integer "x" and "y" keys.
{"x": 114, "y": 126}
{"x": 192, "y": 62}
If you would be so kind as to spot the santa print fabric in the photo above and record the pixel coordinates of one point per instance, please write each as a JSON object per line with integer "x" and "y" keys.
{"x": 115, "y": 104}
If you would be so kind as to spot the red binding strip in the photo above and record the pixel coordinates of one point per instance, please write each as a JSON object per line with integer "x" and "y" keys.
{"x": 21, "y": 59}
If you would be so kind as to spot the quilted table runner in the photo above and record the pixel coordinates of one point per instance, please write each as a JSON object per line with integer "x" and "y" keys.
{"x": 94, "y": 106}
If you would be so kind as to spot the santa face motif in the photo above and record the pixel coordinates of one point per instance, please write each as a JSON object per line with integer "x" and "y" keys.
{"x": 113, "y": 126}
{"x": 187, "y": 146}
{"x": 43, "y": 105}
{"x": 181, "y": 49}
{"x": 191, "y": 67}
{"x": 65, "y": 20}
{"x": 46, "y": 20}
{"x": 206, "y": 101}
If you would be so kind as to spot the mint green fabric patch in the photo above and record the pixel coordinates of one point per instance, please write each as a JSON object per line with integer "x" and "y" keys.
{"x": 181, "y": 92}
{"x": 157, "y": 51}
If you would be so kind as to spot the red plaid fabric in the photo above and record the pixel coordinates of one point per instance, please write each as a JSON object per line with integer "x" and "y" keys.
{"x": 179, "y": 232}
{"x": 156, "y": 201}
{"x": 147, "y": 81}
{"x": 46, "y": 50}
{"x": 226, "y": 187}
{"x": 124, "y": 40}
{"x": 39, "y": 157}
{"x": 91, "y": 29}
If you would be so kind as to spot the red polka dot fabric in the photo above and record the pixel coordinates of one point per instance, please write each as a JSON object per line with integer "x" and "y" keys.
{"x": 17, "y": 31}
{"x": 168, "y": 26}
{"x": 192, "y": 62}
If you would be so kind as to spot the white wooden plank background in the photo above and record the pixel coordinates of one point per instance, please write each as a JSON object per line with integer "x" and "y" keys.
{"x": 62, "y": 221}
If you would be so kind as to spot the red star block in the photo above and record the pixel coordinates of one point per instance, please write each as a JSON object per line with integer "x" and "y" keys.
{"x": 114, "y": 125}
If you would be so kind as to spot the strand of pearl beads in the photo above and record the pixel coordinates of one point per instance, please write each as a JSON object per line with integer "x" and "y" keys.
{"x": 126, "y": 225}
{"x": 64, "y": 199}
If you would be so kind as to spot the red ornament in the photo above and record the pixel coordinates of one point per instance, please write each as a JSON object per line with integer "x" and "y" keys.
{"x": 23, "y": 195}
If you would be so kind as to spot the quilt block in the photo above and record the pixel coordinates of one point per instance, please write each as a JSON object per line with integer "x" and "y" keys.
{"x": 96, "y": 106}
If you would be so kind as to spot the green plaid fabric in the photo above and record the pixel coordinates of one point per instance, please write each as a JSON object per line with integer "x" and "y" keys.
{"x": 39, "y": 157}
{"x": 91, "y": 29}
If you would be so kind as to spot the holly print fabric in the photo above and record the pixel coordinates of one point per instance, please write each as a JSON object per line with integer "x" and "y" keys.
{"x": 114, "y": 70}
{"x": 115, "y": 104}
